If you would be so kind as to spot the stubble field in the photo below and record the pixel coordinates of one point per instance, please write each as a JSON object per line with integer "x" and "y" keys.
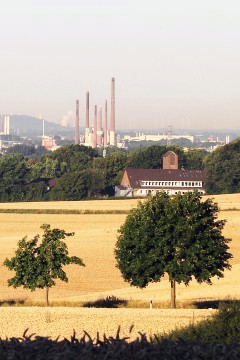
{"x": 94, "y": 241}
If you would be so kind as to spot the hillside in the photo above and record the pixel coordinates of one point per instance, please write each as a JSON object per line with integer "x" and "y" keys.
{"x": 25, "y": 124}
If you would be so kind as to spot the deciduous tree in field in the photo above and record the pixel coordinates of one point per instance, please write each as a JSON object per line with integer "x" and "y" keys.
{"x": 180, "y": 236}
{"x": 37, "y": 266}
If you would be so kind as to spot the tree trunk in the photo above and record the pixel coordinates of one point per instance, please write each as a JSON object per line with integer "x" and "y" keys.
{"x": 173, "y": 294}
{"x": 47, "y": 291}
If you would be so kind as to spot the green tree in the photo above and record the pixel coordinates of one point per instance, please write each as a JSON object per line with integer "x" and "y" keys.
{"x": 195, "y": 159}
{"x": 223, "y": 169}
{"x": 95, "y": 181}
{"x": 46, "y": 168}
{"x": 29, "y": 151}
{"x": 151, "y": 157}
{"x": 71, "y": 186}
{"x": 180, "y": 236}
{"x": 77, "y": 157}
{"x": 39, "y": 266}
{"x": 14, "y": 172}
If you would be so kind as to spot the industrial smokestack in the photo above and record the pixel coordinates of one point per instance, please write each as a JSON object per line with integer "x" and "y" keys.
{"x": 105, "y": 140}
{"x": 99, "y": 127}
{"x": 77, "y": 123}
{"x": 95, "y": 127}
{"x": 87, "y": 110}
{"x": 87, "y": 130}
{"x": 112, "y": 121}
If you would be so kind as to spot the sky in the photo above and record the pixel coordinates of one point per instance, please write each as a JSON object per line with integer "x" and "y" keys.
{"x": 175, "y": 62}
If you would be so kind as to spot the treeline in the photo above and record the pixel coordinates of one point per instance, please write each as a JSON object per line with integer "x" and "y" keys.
{"x": 76, "y": 172}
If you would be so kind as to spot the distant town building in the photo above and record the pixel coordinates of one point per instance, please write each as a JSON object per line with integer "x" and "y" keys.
{"x": 49, "y": 143}
{"x": 157, "y": 137}
{"x": 5, "y": 124}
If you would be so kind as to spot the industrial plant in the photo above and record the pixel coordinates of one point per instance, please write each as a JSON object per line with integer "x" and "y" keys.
{"x": 99, "y": 134}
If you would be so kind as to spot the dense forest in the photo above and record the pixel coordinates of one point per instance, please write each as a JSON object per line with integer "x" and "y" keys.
{"x": 76, "y": 172}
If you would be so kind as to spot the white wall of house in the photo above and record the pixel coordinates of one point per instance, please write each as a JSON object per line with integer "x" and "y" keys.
{"x": 169, "y": 191}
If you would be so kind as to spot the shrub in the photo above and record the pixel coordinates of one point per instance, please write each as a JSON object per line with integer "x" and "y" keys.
{"x": 224, "y": 327}
{"x": 109, "y": 302}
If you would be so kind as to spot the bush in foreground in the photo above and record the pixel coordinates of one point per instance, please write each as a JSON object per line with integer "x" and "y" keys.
{"x": 224, "y": 327}
{"x": 110, "y": 348}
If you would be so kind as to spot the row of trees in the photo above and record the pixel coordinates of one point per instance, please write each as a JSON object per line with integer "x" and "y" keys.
{"x": 82, "y": 172}
{"x": 180, "y": 236}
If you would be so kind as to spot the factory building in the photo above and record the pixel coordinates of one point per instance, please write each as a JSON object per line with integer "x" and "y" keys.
{"x": 98, "y": 135}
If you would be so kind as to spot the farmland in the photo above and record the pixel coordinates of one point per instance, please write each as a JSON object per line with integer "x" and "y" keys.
{"x": 94, "y": 241}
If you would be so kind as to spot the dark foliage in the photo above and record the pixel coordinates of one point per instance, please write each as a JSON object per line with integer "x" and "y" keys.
{"x": 223, "y": 169}
{"x": 28, "y": 151}
{"x": 108, "y": 302}
{"x": 224, "y": 327}
{"x": 36, "y": 347}
{"x": 151, "y": 157}
{"x": 179, "y": 235}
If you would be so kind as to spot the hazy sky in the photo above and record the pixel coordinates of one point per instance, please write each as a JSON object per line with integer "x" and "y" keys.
{"x": 175, "y": 62}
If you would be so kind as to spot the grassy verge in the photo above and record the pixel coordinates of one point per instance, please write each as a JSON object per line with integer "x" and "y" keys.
{"x": 61, "y": 211}
{"x": 108, "y": 302}
{"x": 223, "y": 327}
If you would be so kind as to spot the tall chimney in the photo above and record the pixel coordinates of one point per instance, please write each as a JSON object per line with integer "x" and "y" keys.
{"x": 95, "y": 127}
{"x": 112, "y": 121}
{"x": 77, "y": 123}
{"x": 87, "y": 130}
{"x": 105, "y": 140}
{"x": 87, "y": 110}
{"x": 99, "y": 127}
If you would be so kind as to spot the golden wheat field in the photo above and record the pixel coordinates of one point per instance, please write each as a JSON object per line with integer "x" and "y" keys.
{"x": 94, "y": 241}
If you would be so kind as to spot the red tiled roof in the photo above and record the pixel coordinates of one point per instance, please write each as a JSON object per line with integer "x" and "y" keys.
{"x": 137, "y": 175}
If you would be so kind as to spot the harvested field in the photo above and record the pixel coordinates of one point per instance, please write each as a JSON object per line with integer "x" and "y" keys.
{"x": 226, "y": 201}
{"x": 61, "y": 321}
{"x": 94, "y": 241}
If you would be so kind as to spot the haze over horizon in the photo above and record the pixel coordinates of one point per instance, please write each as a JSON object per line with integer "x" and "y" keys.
{"x": 175, "y": 63}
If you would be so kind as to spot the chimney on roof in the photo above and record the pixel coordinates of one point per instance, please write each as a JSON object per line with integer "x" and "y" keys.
{"x": 170, "y": 161}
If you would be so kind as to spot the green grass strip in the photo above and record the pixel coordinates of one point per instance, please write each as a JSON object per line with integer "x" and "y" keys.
{"x": 61, "y": 211}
